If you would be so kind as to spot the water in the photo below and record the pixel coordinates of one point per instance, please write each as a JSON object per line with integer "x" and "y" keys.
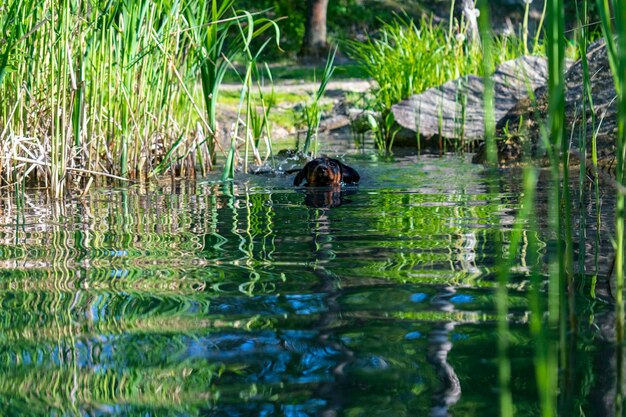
{"x": 197, "y": 298}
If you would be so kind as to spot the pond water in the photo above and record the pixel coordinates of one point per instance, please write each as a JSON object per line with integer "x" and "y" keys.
{"x": 253, "y": 299}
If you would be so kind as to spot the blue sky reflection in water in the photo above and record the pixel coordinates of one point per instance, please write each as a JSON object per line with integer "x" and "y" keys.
{"x": 241, "y": 300}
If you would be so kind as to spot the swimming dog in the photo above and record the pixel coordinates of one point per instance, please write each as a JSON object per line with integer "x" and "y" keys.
{"x": 324, "y": 171}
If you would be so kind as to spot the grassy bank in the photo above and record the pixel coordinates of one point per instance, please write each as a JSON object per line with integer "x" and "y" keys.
{"x": 123, "y": 91}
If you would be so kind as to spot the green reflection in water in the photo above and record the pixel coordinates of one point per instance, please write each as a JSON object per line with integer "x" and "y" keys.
{"x": 205, "y": 299}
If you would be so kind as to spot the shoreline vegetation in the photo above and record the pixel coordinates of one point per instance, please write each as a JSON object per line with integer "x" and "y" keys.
{"x": 127, "y": 92}
{"x": 119, "y": 90}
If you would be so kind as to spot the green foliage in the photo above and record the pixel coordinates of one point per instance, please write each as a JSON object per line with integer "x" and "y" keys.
{"x": 292, "y": 18}
{"x": 347, "y": 19}
{"x": 216, "y": 47}
{"x": 406, "y": 58}
{"x": 247, "y": 35}
{"x": 108, "y": 90}
{"x": 385, "y": 131}
{"x": 614, "y": 27}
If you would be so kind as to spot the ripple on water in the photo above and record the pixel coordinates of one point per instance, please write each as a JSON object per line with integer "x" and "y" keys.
{"x": 207, "y": 299}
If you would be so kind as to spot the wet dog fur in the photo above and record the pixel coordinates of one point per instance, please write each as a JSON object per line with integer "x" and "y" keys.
{"x": 324, "y": 171}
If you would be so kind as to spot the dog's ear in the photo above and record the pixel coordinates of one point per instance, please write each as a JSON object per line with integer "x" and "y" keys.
{"x": 300, "y": 177}
{"x": 349, "y": 175}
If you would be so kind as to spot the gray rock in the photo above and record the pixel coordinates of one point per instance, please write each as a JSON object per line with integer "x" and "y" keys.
{"x": 524, "y": 121}
{"x": 334, "y": 122}
{"x": 455, "y": 109}
{"x": 604, "y": 101}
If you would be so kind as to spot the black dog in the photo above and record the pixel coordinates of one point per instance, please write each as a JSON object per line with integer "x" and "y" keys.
{"x": 326, "y": 171}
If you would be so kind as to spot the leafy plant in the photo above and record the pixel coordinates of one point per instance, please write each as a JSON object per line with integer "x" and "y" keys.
{"x": 248, "y": 33}
{"x": 385, "y": 131}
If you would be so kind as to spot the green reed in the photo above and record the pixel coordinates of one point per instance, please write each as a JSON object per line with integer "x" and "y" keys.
{"x": 267, "y": 103}
{"x": 260, "y": 120}
{"x": 617, "y": 59}
{"x": 385, "y": 131}
{"x": 501, "y": 296}
{"x": 489, "y": 93}
{"x": 560, "y": 281}
{"x": 555, "y": 333}
{"x": 216, "y": 49}
{"x": 587, "y": 109}
{"x": 107, "y": 89}
{"x": 561, "y": 292}
{"x": 560, "y": 324}
{"x": 312, "y": 110}
{"x": 248, "y": 34}
{"x": 525, "y": 27}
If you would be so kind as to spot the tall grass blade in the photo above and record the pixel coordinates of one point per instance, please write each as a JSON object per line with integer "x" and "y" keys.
{"x": 561, "y": 288}
{"x": 501, "y": 296}
{"x": 313, "y": 110}
{"x": 617, "y": 59}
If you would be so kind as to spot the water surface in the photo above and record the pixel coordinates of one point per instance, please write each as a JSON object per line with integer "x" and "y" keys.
{"x": 258, "y": 299}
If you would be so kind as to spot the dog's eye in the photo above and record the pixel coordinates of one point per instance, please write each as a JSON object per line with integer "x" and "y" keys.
{"x": 332, "y": 164}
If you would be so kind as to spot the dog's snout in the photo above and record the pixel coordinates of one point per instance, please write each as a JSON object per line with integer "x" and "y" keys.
{"x": 322, "y": 170}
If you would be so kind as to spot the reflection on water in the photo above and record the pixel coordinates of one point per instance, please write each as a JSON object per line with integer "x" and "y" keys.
{"x": 327, "y": 197}
{"x": 258, "y": 299}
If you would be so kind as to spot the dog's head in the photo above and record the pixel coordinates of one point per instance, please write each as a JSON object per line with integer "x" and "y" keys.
{"x": 325, "y": 171}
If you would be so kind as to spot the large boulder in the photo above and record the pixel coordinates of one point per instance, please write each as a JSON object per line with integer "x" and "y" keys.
{"x": 520, "y": 129}
{"x": 455, "y": 110}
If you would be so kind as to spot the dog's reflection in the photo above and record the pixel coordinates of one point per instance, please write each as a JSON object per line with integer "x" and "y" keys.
{"x": 327, "y": 197}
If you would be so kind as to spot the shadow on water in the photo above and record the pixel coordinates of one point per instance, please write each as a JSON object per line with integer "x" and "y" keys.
{"x": 258, "y": 299}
